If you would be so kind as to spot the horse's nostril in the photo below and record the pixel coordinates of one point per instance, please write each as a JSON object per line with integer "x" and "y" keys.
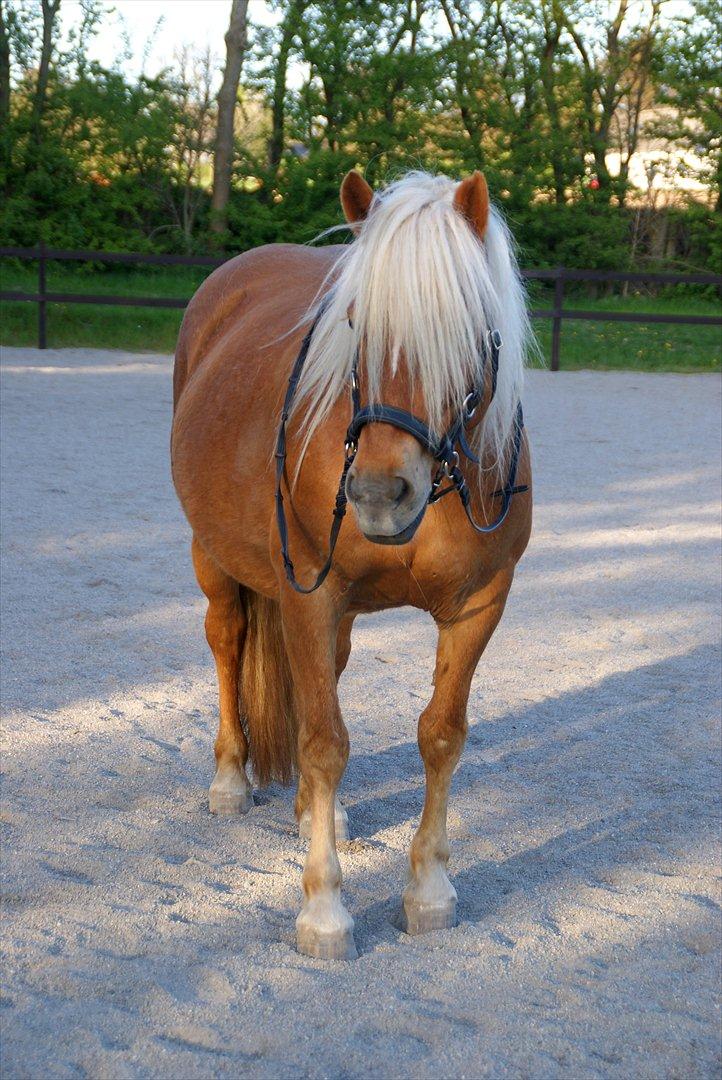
{"x": 376, "y": 489}
{"x": 402, "y": 489}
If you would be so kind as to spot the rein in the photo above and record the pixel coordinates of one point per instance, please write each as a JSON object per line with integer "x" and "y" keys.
{"x": 442, "y": 449}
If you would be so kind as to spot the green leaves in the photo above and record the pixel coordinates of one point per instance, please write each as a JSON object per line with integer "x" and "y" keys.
{"x": 688, "y": 70}
{"x": 540, "y": 94}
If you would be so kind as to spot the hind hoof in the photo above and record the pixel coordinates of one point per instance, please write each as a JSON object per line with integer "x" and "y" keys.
{"x": 340, "y": 823}
{"x": 423, "y": 918}
{"x": 230, "y": 794}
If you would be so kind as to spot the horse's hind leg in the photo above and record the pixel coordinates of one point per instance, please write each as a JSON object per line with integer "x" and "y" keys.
{"x": 230, "y": 791}
{"x": 429, "y": 899}
{"x": 303, "y": 812}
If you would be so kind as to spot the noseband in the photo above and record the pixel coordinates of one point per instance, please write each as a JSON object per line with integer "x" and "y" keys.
{"x": 441, "y": 449}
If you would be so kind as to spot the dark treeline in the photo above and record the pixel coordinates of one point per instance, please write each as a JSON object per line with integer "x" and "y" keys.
{"x": 543, "y": 95}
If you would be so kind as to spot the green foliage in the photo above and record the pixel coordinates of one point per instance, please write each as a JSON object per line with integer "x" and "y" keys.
{"x": 520, "y": 88}
{"x": 689, "y": 72}
{"x": 581, "y": 235}
{"x": 701, "y": 231}
{"x": 95, "y": 170}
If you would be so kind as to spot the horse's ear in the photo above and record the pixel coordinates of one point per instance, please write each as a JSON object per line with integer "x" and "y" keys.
{"x": 472, "y": 200}
{"x": 356, "y": 196}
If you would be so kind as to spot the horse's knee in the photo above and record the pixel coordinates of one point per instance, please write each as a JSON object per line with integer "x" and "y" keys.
{"x": 323, "y": 749}
{"x": 441, "y": 738}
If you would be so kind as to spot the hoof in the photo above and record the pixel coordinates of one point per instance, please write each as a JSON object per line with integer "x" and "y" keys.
{"x": 324, "y": 929}
{"x": 230, "y": 794}
{"x": 422, "y": 918}
{"x": 337, "y": 945}
{"x": 340, "y": 822}
{"x": 228, "y": 803}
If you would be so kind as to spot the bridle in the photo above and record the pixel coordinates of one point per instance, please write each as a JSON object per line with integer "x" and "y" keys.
{"x": 442, "y": 449}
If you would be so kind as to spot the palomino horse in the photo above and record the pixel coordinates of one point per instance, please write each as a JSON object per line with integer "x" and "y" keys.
{"x": 417, "y": 336}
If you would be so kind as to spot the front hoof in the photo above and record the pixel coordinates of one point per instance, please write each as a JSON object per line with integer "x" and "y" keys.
{"x": 230, "y": 794}
{"x": 422, "y": 918}
{"x": 340, "y": 824}
{"x": 336, "y": 945}
{"x": 324, "y": 929}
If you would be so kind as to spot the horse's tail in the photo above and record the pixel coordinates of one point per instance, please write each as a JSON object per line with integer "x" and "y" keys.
{"x": 266, "y": 692}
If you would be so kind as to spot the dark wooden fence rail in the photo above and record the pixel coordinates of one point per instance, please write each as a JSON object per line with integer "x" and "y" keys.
{"x": 558, "y": 275}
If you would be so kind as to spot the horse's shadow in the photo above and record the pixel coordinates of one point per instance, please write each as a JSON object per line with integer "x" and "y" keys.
{"x": 620, "y": 809}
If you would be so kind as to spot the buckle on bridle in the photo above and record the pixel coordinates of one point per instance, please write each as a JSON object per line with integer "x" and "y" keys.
{"x": 469, "y": 412}
{"x": 495, "y": 338}
{"x": 351, "y": 448}
{"x": 451, "y": 463}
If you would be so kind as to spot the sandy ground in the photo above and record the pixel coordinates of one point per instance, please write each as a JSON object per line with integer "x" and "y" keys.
{"x": 145, "y": 938}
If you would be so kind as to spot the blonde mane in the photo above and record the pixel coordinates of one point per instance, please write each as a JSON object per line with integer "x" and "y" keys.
{"x": 423, "y": 289}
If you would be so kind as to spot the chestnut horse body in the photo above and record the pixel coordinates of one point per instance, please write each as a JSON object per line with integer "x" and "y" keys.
{"x": 279, "y": 653}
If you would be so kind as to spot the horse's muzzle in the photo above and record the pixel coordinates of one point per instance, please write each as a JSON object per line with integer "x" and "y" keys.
{"x": 402, "y": 537}
{"x": 389, "y": 508}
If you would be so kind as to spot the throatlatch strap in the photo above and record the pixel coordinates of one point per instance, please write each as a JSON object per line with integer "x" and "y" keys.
{"x": 506, "y": 493}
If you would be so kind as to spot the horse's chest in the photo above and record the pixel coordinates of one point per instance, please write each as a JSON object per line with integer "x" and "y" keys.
{"x": 439, "y": 586}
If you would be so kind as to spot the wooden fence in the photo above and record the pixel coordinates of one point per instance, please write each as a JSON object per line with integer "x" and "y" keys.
{"x": 559, "y": 276}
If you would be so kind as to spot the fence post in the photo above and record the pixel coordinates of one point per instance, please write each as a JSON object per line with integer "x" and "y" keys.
{"x": 42, "y": 323}
{"x": 557, "y": 316}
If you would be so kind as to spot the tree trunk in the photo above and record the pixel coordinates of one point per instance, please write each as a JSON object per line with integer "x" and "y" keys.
{"x": 236, "y": 41}
{"x": 50, "y": 10}
{"x": 548, "y": 82}
{"x": 278, "y": 104}
{"x": 4, "y": 72}
{"x": 329, "y": 94}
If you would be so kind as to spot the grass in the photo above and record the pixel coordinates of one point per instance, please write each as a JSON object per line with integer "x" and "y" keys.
{"x": 97, "y": 326}
{"x": 592, "y": 345}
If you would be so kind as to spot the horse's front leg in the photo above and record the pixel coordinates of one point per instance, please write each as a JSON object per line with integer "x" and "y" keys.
{"x": 303, "y": 812}
{"x": 429, "y": 900}
{"x": 324, "y": 928}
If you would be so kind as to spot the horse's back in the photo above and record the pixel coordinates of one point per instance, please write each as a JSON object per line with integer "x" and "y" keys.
{"x": 269, "y": 287}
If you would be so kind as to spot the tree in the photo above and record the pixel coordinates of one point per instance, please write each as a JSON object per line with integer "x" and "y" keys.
{"x": 472, "y": 47}
{"x": 616, "y": 62}
{"x": 372, "y": 75}
{"x": 537, "y": 92}
{"x": 551, "y": 21}
{"x": 290, "y": 26}
{"x": 4, "y": 71}
{"x": 236, "y": 43}
{"x": 50, "y": 10}
{"x": 492, "y": 64}
{"x": 688, "y": 70}
{"x": 5, "y": 138}
{"x": 192, "y": 138}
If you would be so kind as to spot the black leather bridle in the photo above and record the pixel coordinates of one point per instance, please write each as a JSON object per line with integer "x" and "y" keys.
{"x": 442, "y": 449}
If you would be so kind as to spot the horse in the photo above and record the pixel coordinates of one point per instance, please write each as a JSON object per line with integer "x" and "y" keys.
{"x": 394, "y": 362}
